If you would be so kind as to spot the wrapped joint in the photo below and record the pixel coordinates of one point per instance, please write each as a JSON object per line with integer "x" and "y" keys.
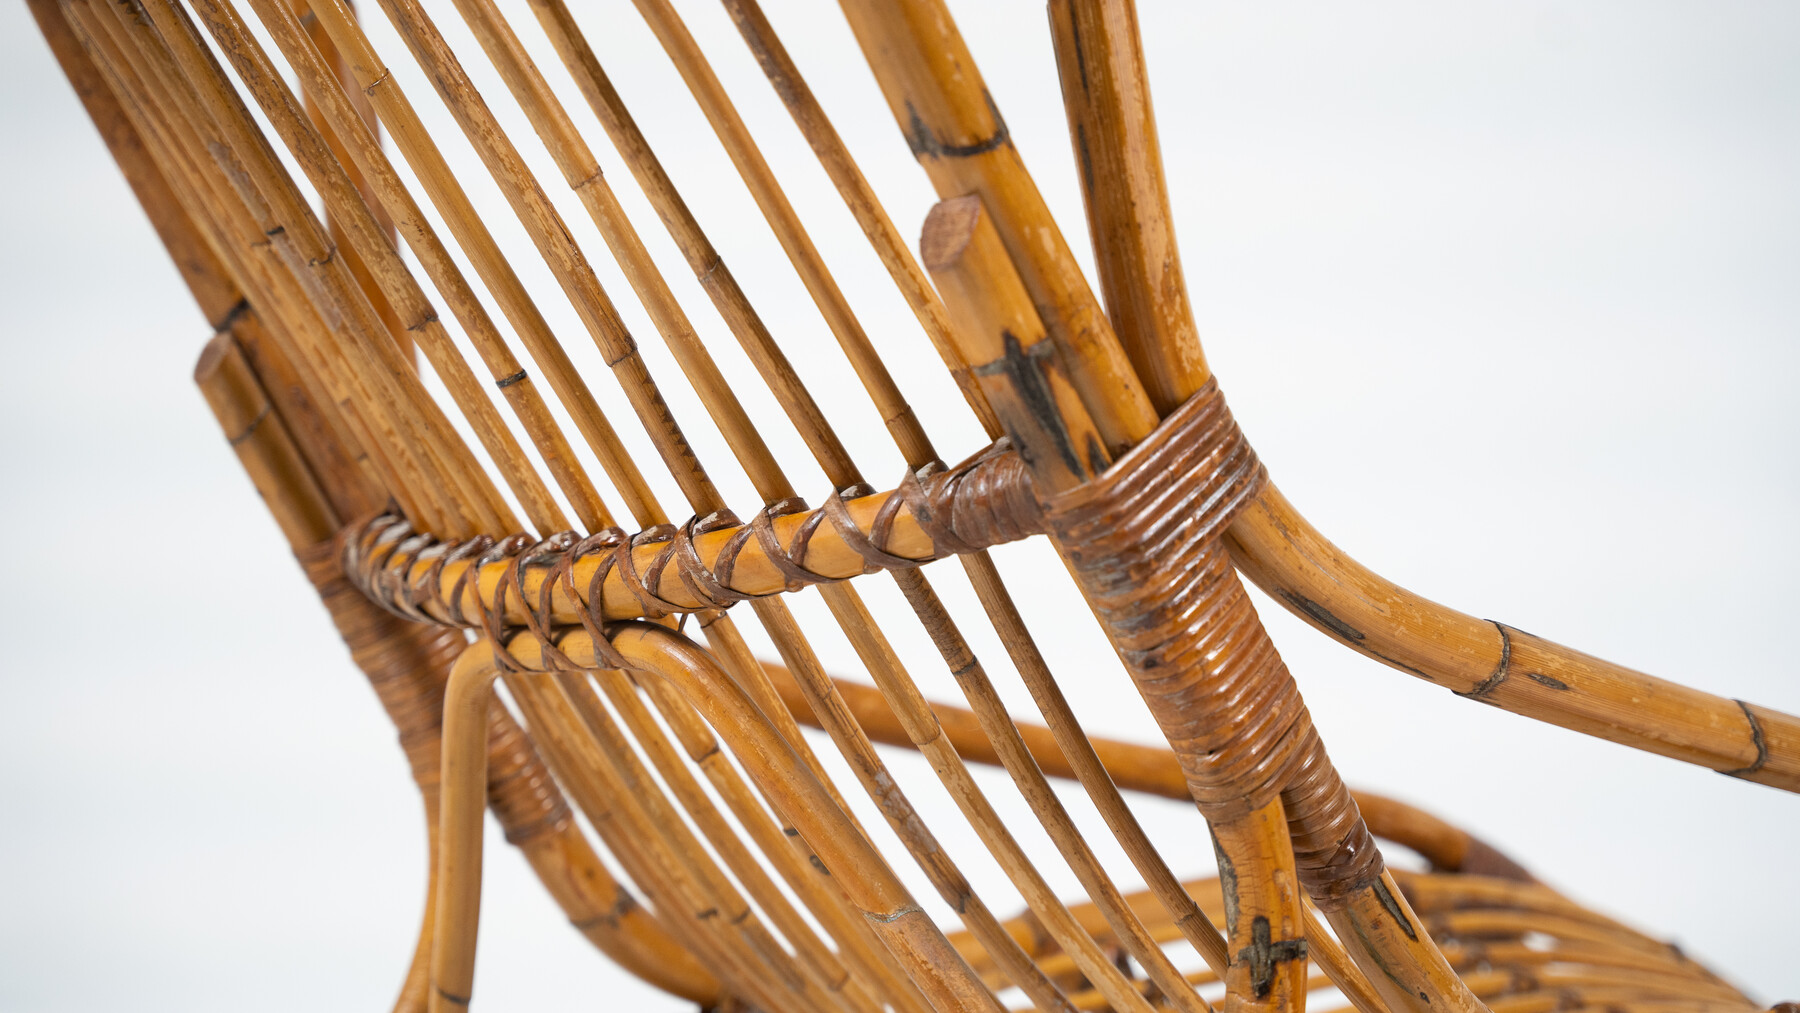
{"x": 707, "y": 563}
{"x": 1144, "y": 543}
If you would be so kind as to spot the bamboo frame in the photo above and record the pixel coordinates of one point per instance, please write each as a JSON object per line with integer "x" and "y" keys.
{"x": 645, "y": 730}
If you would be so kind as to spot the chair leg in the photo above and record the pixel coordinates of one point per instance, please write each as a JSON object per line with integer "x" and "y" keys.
{"x": 462, "y": 801}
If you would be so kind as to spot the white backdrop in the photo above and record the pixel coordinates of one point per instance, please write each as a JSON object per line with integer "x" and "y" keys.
{"x": 1507, "y": 296}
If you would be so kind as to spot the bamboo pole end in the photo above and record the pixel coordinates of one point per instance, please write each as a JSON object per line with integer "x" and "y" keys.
{"x": 948, "y": 230}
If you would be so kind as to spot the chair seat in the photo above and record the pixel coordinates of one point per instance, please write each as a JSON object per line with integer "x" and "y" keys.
{"x": 1520, "y": 946}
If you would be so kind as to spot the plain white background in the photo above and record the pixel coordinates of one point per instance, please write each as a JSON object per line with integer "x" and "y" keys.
{"x": 1507, "y": 296}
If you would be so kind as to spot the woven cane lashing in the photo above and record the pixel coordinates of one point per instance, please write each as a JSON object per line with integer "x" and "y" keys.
{"x": 707, "y": 563}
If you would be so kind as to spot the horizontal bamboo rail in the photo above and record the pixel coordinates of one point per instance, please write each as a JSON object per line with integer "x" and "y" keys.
{"x": 976, "y": 504}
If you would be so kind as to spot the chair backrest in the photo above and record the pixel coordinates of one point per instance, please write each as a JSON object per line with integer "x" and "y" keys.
{"x": 1108, "y": 435}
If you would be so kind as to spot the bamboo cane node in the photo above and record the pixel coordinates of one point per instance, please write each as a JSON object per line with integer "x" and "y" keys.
{"x": 1757, "y": 739}
{"x": 380, "y": 79}
{"x": 232, "y": 316}
{"x": 250, "y": 427}
{"x": 591, "y": 178}
{"x": 1501, "y": 669}
{"x": 926, "y": 144}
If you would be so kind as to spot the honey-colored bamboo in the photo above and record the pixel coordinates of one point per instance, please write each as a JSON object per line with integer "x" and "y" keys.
{"x": 889, "y": 245}
{"x": 233, "y": 233}
{"x": 374, "y": 252}
{"x": 933, "y": 317}
{"x": 779, "y": 842}
{"x": 461, "y": 219}
{"x": 745, "y": 931}
{"x": 362, "y": 152}
{"x": 937, "y": 97}
{"x": 197, "y": 102}
{"x": 577, "y": 167}
{"x": 709, "y": 268}
{"x": 582, "y": 173}
{"x": 820, "y": 964}
{"x": 801, "y": 912}
{"x": 366, "y": 115}
{"x": 726, "y": 123}
{"x": 969, "y": 262}
{"x": 961, "y": 240}
{"x": 612, "y": 803}
{"x": 699, "y": 490}
{"x": 910, "y": 439}
{"x": 896, "y": 414}
{"x": 279, "y": 469}
{"x": 1501, "y": 665}
{"x": 934, "y": 966}
{"x": 1112, "y": 127}
{"x": 183, "y": 55}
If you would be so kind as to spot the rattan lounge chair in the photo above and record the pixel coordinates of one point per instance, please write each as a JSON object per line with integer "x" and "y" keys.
{"x": 752, "y": 883}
